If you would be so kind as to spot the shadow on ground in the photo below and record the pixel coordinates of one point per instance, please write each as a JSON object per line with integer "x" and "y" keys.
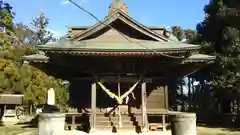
{"x": 218, "y": 121}
{"x": 30, "y": 124}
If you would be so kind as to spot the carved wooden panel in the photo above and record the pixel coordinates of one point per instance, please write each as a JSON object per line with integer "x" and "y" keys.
{"x": 157, "y": 99}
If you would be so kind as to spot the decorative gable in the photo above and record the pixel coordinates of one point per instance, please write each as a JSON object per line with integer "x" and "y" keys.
{"x": 113, "y": 36}
{"x": 122, "y": 23}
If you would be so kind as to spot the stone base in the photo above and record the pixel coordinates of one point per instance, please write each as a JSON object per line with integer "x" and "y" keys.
{"x": 184, "y": 124}
{"x": 51, "y": 124}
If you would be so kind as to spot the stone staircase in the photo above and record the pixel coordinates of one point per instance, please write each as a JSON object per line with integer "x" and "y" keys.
{"x": 130, "y": 122}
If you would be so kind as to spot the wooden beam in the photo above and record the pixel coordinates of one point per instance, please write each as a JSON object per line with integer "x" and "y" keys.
{"x": 144, "y": 107}
{"x": 113, "y": 79}
{"x": 93, "y": 106}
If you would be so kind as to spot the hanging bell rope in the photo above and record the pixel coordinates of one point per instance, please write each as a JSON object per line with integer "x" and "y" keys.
{"x": 121, "y": 98}
{"x": 130, "y": 90}
{"x": 111, "y": 94}
{"x": 127, "y": 98}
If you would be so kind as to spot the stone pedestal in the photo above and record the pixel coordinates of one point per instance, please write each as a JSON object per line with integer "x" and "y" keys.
{"x": 51, "y": 124}
{"x": 184, "y": 124}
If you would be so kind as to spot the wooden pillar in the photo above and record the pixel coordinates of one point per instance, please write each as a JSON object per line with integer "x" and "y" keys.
{"x": 166, "y": 97}
{"x": 93, "y": 106}
{"x": 144, "y": 107}
{"x": 119, "y": 107}
{"x": 73, "y": 122}
{"x": 163, "y": 122}
{"x": 166, "y": 107}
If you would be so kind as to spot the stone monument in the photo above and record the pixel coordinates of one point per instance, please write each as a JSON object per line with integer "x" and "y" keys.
{"x": 51, "y": 97}
{"x": 51, "y": 121}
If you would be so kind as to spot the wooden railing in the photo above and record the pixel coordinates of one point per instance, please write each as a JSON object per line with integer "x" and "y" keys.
{"x": 74, "y": 120}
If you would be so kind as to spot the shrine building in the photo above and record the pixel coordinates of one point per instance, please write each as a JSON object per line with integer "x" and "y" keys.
{"x": 119, "y": 70}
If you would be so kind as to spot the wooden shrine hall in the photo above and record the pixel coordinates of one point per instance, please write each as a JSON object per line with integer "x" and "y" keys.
{"x": 119, "y": 70}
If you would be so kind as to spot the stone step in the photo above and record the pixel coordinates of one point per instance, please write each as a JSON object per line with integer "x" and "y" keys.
{"x": 116, "y": 114}
{"x": 112, "y": 116}
{"x": 109, "y": 128}
{"x": 103, "y": 123}
{"x": 101, "y": 119}
{"x": 116, "y": 120}
{"x": 105, "y": 128}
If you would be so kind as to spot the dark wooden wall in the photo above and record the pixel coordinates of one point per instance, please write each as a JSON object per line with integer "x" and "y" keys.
{"x": 80, "y": 95}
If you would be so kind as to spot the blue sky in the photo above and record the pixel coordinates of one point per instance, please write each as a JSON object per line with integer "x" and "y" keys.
{"x": 184, "y": 13}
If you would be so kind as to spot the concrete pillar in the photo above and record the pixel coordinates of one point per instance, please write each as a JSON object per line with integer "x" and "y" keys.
{"x": 51, "y": 124}
{"x": 184, "y": 124}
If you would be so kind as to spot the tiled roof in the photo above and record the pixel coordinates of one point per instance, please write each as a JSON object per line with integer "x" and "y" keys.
{"x": 119, "y": 47}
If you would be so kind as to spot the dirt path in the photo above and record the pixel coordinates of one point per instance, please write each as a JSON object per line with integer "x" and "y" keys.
{"x": 216, "y": 131}
{"x": 18, "y": 130}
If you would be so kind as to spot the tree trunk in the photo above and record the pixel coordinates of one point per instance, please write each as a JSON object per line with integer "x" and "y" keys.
{"x": 189, "y": 94}
{"x": 1, "y": 113}
{"x": 193, "y": 98}
{"x": 203, "y": 96}
{"x": 182, "y": 98}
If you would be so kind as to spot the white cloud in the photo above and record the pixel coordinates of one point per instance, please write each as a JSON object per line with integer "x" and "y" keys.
{"x": 80, "y": 2}
{"x": 64, "y": 2}
{"x": 143, "y": 20}
{"x": 56, "y": 34}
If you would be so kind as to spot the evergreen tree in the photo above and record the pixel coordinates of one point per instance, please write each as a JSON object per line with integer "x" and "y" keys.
{"x": 26, "y": 79}
{"x": 24, "y": 34}
{"x": 41, "y": 34}
{"x": 6, "y": 16}
{"x": 6, "y": 29}
{"x": 231, "y": 13}
{"x": 36, "y": 84}
{"x": 178, "y": 32}
{"x": 224, "y": 40}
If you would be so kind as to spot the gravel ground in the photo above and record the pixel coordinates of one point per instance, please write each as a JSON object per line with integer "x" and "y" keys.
{"x": 18, "y": 130}
{"x": 216, "y": 131}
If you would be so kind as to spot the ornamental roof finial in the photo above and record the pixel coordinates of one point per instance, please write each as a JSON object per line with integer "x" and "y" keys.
{"x": 118, "y": 5}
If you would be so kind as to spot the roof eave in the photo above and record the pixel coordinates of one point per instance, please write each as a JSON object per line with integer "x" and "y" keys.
{"x": 77, "y": 27}
{"x": 34, "y": 58}
{"x": 208, "y": 60}
{"x": 119, "y": 50}
{"x": 156, "y": 27}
